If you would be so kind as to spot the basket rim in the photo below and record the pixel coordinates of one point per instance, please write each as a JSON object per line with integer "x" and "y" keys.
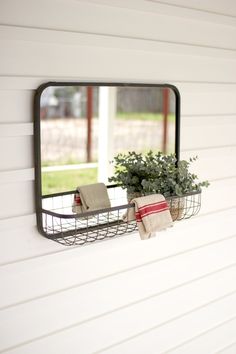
{"x": 99, "y": 211}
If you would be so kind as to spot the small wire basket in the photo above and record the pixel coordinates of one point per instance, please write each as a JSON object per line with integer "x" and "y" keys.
{"x": 184, "y": 207}
{"x": 63, "y": 226}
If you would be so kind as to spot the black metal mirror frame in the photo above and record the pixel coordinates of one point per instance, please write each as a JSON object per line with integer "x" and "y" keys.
{"x": 37, "y": 132}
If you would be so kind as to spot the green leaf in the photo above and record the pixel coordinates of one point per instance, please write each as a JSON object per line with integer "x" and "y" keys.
{"x": 155, "y": 173}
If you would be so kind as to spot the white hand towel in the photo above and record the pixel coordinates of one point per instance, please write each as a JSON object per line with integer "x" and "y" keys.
{"x": 151, "y": 213}
{"x": 91, "y": 197}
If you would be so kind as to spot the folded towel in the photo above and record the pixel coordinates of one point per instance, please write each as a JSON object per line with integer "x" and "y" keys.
{"x": 77, "y": 204}
{"x": 91, "y": 197}
{"x": 151, "y": 213}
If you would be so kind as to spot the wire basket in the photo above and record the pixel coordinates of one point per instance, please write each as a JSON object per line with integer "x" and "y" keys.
{"x": 184, "y": 207}
{"x": 63, "y": 226}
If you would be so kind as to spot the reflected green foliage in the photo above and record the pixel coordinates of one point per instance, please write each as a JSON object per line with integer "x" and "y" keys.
{"x": 62, "y": 181}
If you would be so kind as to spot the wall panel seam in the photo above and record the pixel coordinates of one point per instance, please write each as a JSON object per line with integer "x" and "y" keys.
{"x": 164, "y": 5}
{"x": 221, "y": 350}
{"x": 24, "y": 83}
{"x": 130, "y": 269}
{"x": 82, "y": 78}
{"x": 169, "y": 351}
{"x": 15, "y": 129}
{"x": 17, "y": 221}
{"x": 202, "y": 115}
{"x": 167, "y": 5}
{"x": 192, "y": 8}
{"x": 232, "y": 318}
{"x": 4, "y": 226}
{"x": 119, "y": 36}
{"x": 222, "y": 178}
{"x": 208, "y": 147}
{"x": 153, "y": 328}
{"x": 14, "y": 176}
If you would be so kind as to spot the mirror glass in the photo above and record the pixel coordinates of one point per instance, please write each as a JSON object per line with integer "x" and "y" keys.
{"x": 83, "y": 126}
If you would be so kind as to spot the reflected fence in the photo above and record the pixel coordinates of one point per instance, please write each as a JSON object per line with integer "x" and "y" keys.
{"x": 64, "y": 140}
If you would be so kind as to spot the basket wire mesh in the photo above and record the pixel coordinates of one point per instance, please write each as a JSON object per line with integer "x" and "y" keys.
{"x": 67, "y": 228}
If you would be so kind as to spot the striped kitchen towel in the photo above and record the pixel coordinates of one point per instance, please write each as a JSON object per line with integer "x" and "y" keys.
{"x": 151, "y": 213}
{"x": 77, "y": 204}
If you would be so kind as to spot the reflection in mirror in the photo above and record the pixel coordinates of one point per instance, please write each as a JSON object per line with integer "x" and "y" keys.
{"x": 83, "y": 127}
{"x": 79, "y": 129}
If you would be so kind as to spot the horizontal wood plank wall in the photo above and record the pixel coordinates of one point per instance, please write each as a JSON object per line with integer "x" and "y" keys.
{"x": 175, "y": 293}
{"x": 229, "y": 348}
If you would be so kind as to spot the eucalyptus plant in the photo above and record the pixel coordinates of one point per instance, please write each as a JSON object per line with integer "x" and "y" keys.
{"x": 155, "y": 173}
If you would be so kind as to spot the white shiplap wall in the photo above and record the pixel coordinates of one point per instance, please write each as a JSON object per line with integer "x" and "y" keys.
{"x": 176, "y": 293}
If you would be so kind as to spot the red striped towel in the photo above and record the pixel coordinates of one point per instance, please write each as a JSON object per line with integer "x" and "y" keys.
{"x": 151, "y": 213}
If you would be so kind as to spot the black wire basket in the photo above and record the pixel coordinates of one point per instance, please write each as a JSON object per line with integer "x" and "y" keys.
{"x": 63, "y": 226}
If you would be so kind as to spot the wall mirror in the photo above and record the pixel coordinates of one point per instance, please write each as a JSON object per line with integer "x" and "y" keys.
{"x": 80, "y": 127}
